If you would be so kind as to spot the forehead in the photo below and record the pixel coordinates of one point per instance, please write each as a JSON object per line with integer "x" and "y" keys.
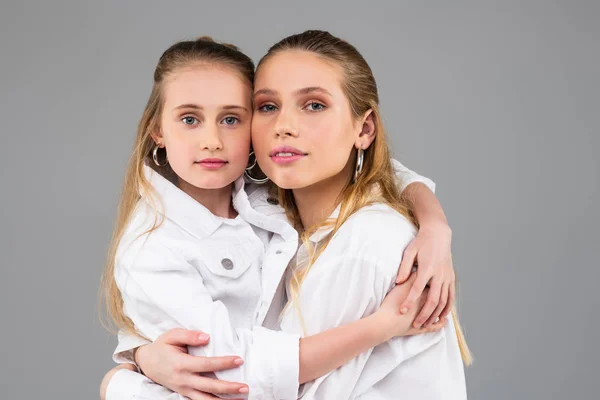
{"x": 291, "y": 70}
{"x": 205, "y": 85}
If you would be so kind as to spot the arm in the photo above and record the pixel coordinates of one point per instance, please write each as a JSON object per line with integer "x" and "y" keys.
{"x": 174, "y": 345}
{"x": 431, "y": 249}
{"x": 162, "y": 291}
{"x": 162, "y": 294}
{"x": 124, "y": 383}
{"x": 345, "y": 286}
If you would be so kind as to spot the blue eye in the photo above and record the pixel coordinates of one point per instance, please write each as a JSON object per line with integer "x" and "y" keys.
{"x": 315, "y": 106}
{"x": 230, "y": 120}
{"x": 189, "y": 120}
{"x": 267, "y": 108}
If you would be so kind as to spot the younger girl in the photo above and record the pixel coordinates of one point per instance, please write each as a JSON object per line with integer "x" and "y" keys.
{"x": 191, "y": 251}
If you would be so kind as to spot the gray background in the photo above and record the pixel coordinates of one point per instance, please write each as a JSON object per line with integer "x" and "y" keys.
{"x": 496, "y": 101}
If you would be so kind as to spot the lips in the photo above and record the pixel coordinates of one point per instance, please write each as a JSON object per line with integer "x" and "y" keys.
{"x": 286, "y": 151}
{"x": 212, "y": 163}
{"x": 286, "y": 154}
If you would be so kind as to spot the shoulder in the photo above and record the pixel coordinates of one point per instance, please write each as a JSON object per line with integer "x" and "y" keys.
{"x": 145, "y": 240}
{"x": 375, "y": 235}
{"x": 378, "y": 225}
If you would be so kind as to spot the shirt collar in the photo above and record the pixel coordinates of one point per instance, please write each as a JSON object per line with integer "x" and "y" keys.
{"x": 181, "y": 208}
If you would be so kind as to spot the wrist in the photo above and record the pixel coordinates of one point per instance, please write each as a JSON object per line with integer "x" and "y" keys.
{"x": 381, "y": 326}
{"x": 438, "y": 223}
{"x": 136, "y": 358}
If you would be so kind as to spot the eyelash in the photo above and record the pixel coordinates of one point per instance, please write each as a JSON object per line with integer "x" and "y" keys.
{"x": 237, "y": 120}
{"x": 189, "y": 116}
{"x": 323, "y": 107}
{"x": 261, "y": 108}
{"x": 196, "y": 121}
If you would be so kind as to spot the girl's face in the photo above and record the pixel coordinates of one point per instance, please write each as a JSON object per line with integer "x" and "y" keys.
{"x": 205, "y": 125}
{"x": 303, "y": 131}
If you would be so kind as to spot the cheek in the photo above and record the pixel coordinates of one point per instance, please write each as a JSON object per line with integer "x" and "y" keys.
{"x": 260, "y": 129}
{"x": 238, "y": 145}
{"x": 327, "y": 133}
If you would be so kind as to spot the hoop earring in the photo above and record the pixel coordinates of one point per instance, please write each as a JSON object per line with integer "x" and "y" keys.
{"x": 360, "y": 155}
{"x": 155, "y": 157}
{"x": 249, "y": 169}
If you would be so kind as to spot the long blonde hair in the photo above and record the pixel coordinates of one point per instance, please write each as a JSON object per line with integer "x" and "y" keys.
{"x": 360, "y": 88}
{"x": 202, "y": 51}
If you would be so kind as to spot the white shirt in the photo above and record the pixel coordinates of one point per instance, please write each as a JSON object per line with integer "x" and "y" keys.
{"x": 198, "y": 271}
{"x": 351, "y": 277}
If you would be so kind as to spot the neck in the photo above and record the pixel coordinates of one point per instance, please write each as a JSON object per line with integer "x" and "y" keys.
{"x": 217, "y": 201}
{"x": 318, "y": 201}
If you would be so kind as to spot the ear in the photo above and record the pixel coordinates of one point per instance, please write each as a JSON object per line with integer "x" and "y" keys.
{"x": 157, "y": 136}
{"x": 366, "y": 135}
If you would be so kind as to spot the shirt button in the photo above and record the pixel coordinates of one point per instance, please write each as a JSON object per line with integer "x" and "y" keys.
{"x": 272, "y": 201}
{"x": 278, "y": 252}
{"x": 227, "y": 263}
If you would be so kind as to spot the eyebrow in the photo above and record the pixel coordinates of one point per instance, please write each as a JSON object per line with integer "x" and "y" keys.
{"x": 197, "y": 107}
{"x": 313, "y": 89}
{"x": 305, "y": 90}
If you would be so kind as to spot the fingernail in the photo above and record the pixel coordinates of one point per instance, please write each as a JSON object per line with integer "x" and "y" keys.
{"x": 238, "y": 361}
{"x": 204, "y": 337}
{"x": 404, "y": 310}
{"x": 244, "y": 390}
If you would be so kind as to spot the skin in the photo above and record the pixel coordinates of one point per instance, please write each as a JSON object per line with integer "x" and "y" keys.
{"x": 300, "y": 103}
{"x": 206, "y": 116}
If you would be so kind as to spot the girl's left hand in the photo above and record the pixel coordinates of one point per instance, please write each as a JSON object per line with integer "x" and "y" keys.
{"x": 431, "y": 252}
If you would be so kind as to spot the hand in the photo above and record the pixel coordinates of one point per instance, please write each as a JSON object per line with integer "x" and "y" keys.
{"x": 109, "y": 375}
{"x": 401, "y": 324}
{"x": 431, "y": 251}
{"x": 167, "y": 363}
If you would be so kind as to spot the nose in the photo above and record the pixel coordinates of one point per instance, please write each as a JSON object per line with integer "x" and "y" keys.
{"x": 286, "y": 124}
{"x": 211, "y": 139}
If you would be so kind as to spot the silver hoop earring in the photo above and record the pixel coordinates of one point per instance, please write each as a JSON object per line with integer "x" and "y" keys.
{"x": 250, "y": 167}
{"x": 155, "y": 157}
{"x": 360, "y": 155}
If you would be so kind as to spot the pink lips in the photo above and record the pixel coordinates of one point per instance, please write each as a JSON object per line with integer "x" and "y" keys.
{"x": 286, "y": 154}
{"x": 212, "y": 163}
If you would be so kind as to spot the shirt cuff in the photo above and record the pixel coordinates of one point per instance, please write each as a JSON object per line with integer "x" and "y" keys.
{"x": 123, "y": 354}
{"x": 407, "y": 177}
{"x": 125, "y": 384}
{"x": 280, "y": 355}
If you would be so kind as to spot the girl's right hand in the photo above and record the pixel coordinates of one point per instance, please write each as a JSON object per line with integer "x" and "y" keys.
{"x": 398, "y": 324}
{"x": 167, "y": 362}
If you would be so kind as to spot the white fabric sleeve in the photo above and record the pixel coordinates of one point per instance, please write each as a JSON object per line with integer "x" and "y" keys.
{"x": 407, "y": 176}
{"x": 162, "y": 291}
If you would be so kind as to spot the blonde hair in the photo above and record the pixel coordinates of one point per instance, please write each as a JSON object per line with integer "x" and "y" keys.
{"x": 360, "y": 88}
{"x": 202, "y": 51}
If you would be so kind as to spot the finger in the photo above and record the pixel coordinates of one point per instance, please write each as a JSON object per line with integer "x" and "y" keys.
{"x": 441, "y": 305}
{"x": 435, "y": 327}
{"x": 415, "y": 291}
{"x": 408, "y": 260}
{"x": 451, "y": 300}
{"x": 433, "y": 298}
{"x": 184, "y": 337}
{"x": 198, "y": 395}
{"x": 211, "y": 364}
{"x": 216, "y": 386}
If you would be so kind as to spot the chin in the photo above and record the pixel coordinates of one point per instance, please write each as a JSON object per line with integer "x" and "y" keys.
{"x": 288, "y": 180}
{"x": 211, "y": 184}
